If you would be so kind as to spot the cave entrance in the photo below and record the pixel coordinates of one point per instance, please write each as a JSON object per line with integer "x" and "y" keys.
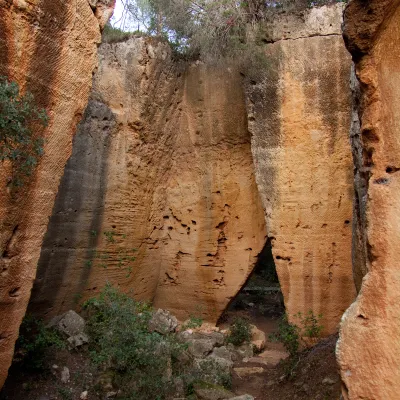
{"x": 260, "y": 299}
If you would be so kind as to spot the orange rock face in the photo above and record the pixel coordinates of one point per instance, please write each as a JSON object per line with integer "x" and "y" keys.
{"x": 299, "y": 117}
{"x": 49, "y": 47}
{"x": 368, "y": 351}
{"x": 161, "y": 172}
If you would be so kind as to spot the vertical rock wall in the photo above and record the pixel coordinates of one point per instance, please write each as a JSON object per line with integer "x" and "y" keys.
{"x": 299, "y": 117}
{"x": 50, "y": 48}
{"x": 174, "y": 215}
{"x": 369, "y": 348}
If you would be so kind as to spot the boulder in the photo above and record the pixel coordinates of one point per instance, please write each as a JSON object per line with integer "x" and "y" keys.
{"x": 245, "y": 350}
{"x": 163, "y": 322}
{"x": 217, "y": 338}
{"x": 270, "y": 357}
{"x": 70, "y": 323}
{"x": 258, "y": 338}
{"x": 222, "y": 352}
{"x": 242, "y": 372}
{"x": 200, "y": 348}
{"x": 243, "y": 397}
{"x": 77, "y": 340}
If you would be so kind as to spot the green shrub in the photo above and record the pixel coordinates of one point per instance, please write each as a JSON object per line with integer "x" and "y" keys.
{"x": 116, "y": 35}
{"x": 33, "y": 343}
{"x": 310, "y": 324}
{"x": 193, "y": 322}
{"x": 240, "y": 332}
{"x": 288, "y": 334}
{"x": 142, "y": 362}
{"x": 20, "y": 143}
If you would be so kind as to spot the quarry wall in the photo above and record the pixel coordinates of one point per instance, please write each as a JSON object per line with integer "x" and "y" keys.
{"x": 299, "y": 118}
{"x": 368, "y": 349}
{"x": 177, "y": 175}
{"x": 160, "y": 196}
{"x": 174, "y": 216}
{"x": 50, "y": 49}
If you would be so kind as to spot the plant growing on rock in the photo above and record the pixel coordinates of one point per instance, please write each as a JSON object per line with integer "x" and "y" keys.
{"x": 239, "y": 332}
{"x": 21, "y": 122}
{"x": 290, "y": 334}
{"x": 142, "y": 363}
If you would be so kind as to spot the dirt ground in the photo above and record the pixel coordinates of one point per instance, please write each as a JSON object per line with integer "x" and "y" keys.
{"x": 313, "y": 376}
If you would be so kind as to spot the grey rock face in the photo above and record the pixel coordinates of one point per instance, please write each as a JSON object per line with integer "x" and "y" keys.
{"x": 163, "y": 322}
{"x": 69, "y": 323}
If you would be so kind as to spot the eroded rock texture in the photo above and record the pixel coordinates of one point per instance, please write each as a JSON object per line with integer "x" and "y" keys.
{"x": 299, "y": 117}
{"x": 49, "y": 47}
{"x": 161, "y": 172}
{"x": 369, "y": 348}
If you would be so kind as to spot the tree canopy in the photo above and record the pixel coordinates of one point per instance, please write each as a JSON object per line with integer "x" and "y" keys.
{"x": 206, "y": 28}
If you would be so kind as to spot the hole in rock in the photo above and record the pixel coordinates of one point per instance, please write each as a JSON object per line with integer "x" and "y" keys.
{"x": 260, "y": 299}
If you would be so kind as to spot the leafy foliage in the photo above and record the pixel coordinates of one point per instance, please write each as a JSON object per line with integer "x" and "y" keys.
{"x": 20, "y": 122}
{"x": 115, "y": 35}
{"x": 289, "y": 335}
{"x": 143, "y": 365}
{"x": 193, "y": 322}
{"x": 142, "y": 361}
{"x": 211, "y": 29}
{"x": 310, "y": 323}
{"x": 33, "y": 342}
{"x": 240, "y": 332}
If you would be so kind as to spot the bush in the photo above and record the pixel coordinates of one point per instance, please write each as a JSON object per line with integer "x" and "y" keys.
{"x": 290, "y": 334}
{"x": 193, "y": 322}
{"x": 143, "y": 363}
{"x": 116, "y": 35}
{"x": 310, "y": 323}
{"x": 20, "y": 144}
{"x": 33, "y": 342}
{"x": 240, "y": 332}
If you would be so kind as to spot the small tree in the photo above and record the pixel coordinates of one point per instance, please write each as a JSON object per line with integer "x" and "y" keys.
{"x": 20, "y": 122}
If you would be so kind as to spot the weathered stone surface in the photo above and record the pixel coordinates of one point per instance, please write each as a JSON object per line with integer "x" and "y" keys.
{"x": 211, "y": 392}
{"x": 49, "y": 47}
{"x": 175, "y": 182}
{"x": 369, "y": 348}
{"x": 270, "y": 357}
{"x": 70, "y": 323}
{"x": 199, "y": 348}
{"x": 299, "y": 117}
{"x": 243, "y": 397}
{"x": 258, "y": 338}
{"x": 244, "y": 372}
{"x": 163, "y": 322}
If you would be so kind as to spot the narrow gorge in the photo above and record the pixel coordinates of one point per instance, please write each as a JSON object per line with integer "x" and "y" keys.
{"x": 167, "y": 178}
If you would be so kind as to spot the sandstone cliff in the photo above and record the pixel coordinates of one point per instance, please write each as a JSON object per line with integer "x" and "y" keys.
{"x": 299, "y": 117}
{"x": 369, "y": 349}
{"x": 49, "y": 47}
{"x": 159, "y": 196}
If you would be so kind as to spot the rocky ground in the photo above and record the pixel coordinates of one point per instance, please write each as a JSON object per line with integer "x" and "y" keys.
{"x": 259, "y": 370}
